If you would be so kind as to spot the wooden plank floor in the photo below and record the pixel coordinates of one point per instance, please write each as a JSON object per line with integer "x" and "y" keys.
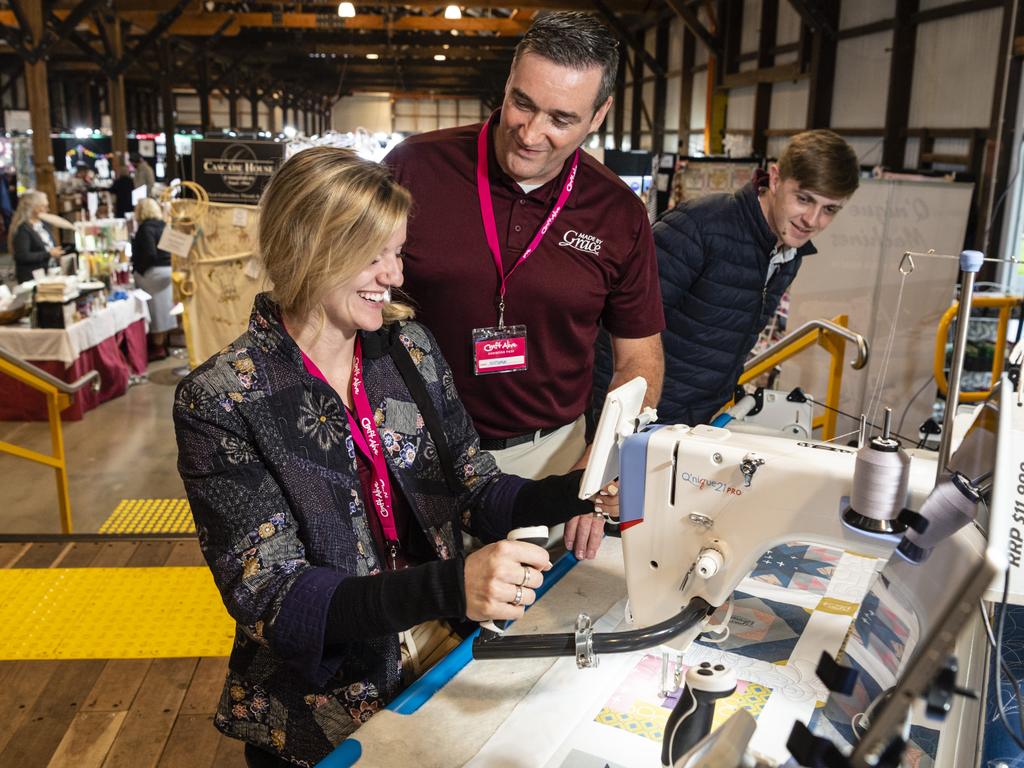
{"x": 111, "y": 713}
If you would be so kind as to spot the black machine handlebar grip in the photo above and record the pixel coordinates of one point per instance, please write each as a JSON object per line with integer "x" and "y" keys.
{"x": 692, "y": 715}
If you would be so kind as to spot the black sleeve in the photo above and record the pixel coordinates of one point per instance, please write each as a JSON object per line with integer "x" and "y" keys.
{"x": 551, "y": 500}
{"x": 25, "y": 250}
{"x": 394, "y": 601}
{"x": 143, "y": 250}
{"x": 514, "y": 502}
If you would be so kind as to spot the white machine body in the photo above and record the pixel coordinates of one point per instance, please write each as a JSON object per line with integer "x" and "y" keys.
{"x": 697, "y": 529}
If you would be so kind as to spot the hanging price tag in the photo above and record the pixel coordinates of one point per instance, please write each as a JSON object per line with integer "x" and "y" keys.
{"x": 175, "y": 242}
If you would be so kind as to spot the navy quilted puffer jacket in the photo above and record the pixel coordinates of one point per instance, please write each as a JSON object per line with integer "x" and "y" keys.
{"x": 713, "y": 256}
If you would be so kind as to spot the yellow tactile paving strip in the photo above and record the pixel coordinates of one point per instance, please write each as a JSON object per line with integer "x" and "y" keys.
{"x": 111, "y": 613}
{"x": 150, "y": 516}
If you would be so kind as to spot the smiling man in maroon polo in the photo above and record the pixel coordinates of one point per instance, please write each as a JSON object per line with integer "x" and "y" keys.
{"x": 574, "y": 247}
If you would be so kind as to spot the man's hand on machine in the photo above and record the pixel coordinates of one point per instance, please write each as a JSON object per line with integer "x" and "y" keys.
{"x": 583, "y": 534}
{"x": 501, "y": 578}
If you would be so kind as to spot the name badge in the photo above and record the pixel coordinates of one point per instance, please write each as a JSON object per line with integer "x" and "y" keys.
{"x": 499, "y": 350}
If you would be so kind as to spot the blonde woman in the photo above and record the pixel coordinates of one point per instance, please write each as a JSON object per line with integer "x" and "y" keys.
{"x": 330, "y": 466}
{"x": 152, "y": 267}
{"x": 29, "y": 238}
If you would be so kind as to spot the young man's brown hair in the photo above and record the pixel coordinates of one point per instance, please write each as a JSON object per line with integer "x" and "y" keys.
{"x": 821, "y": 161}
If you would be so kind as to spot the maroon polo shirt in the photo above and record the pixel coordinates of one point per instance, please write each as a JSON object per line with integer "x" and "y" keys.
{"x": 596, "y": 265}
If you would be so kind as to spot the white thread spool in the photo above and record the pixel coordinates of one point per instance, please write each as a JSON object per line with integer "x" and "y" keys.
{"x": 881, "y": 478}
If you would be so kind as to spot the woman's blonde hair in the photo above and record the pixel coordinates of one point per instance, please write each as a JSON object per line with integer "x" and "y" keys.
{"x": 147, "y": 208}
{"x": 28, "y": 202}
{"x": 325, "y": 216}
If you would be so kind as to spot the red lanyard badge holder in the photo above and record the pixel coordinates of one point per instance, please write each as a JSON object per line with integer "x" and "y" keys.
{"x": 502, "y": 348}
{"x": 368, "y": 442}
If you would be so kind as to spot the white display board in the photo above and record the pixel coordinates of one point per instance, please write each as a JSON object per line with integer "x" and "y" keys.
{"x": 856, "y": 272}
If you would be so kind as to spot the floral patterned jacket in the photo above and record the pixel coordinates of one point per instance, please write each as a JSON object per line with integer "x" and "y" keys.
{"x": 268, "y": 463}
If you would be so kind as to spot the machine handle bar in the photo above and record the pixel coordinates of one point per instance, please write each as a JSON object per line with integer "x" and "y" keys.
{"x": 543, "y": 646}
{"x": 809, "y": 327}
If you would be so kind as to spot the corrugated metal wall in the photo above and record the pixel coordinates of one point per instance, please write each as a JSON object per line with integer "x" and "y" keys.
{"x": 862, "y": 81}
{"x": 428, "y": 114}
{"x": 953, "y": 79}
{"x": 955, "y": 71}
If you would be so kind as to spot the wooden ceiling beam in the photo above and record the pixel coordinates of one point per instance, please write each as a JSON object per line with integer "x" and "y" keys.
{"x": 148, "y": 40}
{"x": 386, "y": 69}
{"x": 815, "y": 16}
{"x": 412, "y": 51}
{"x": 624, "y": 6}
{"x": 54, "y": 34}
{"x": 204, "y": 24}
{"x": 693, "y": 22}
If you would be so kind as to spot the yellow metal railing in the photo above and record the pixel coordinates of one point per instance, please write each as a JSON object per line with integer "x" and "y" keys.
{"x": 1005, "y": 305}
{"x": 830, "y": 335}
{"x": 58, "y": 397}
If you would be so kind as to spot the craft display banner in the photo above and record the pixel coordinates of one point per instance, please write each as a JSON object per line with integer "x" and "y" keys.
{"x": 235, "y": 171}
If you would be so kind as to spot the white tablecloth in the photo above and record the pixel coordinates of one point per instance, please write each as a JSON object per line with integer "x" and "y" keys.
{"x": 66, "y": 344}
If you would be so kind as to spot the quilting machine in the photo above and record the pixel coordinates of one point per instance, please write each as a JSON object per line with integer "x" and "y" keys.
{"x": 700, "y": 505}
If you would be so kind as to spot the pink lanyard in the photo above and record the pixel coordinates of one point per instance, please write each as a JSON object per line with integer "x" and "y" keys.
{"x": 483, "y": 187}
{"x": 367, "y": 440}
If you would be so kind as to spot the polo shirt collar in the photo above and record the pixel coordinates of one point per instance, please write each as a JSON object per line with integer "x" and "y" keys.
{"x": 547, "y": 193}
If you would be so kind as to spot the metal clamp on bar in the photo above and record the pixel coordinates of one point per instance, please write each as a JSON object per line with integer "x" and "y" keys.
{"x": 585, "y": 658}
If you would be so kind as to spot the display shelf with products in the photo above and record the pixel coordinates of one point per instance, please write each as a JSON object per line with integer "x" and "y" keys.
{"x": 104, "y": 252}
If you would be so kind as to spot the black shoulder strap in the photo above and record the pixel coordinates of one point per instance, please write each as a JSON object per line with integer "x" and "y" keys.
{"x": 418, "y": 390}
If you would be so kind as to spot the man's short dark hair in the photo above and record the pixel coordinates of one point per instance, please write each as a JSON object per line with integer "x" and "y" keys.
{"x": 576, "y": 40}
{"x": 821, "y": 161}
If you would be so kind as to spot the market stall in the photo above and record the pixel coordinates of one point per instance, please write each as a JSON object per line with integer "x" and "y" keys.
{"x": 111, "y": 341}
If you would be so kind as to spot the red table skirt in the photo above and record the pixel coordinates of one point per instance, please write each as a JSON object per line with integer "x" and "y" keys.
{"x": 115, "y": 358}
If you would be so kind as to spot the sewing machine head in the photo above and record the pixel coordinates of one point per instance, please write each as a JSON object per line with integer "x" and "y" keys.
{"x": 701, "y": 505}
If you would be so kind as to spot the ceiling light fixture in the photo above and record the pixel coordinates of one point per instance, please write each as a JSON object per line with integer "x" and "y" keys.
{"x": 439, "y": 57}
{"x": 373, "y": 56}
{"x": 346, "y": 10}
{"x": 452, "y": 12}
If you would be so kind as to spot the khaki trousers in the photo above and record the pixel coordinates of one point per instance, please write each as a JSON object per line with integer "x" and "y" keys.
{"x": 553, "y": 454}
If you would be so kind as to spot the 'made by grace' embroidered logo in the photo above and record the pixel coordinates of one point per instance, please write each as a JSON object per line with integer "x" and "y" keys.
{"x": 581, "y": 242}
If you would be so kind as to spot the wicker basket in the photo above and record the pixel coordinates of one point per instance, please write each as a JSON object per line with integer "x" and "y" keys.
{"x": 8, "y": 317}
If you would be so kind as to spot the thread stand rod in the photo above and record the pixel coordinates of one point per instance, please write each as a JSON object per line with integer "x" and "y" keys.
{"x": 970, "y": 263}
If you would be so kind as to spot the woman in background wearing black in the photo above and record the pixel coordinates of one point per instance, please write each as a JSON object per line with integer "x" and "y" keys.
{"x": 152, "y": 267}
{"x": 29, "y": 239}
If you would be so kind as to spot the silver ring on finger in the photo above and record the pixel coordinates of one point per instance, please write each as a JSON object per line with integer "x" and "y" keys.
{"x": 526, "y": 576}
{"x": 518, "y": 599}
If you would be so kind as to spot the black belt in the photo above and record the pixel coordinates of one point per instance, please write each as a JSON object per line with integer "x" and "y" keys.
{"x": 501, "y": 443}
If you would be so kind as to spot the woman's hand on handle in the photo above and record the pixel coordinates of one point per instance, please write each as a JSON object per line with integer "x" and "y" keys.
{"x": 497, "y": 573}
